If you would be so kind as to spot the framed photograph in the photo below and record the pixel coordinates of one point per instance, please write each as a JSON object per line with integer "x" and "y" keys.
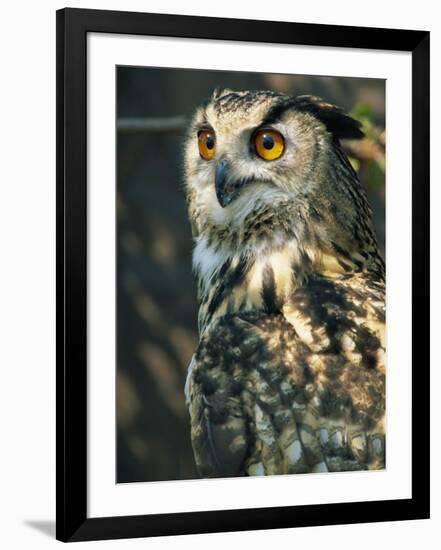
{"x": 242, "y": 275}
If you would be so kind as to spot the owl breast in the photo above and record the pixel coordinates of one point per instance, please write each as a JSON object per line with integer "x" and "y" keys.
{"x": 269, "y": 397}
{"x": 230, "y": 282}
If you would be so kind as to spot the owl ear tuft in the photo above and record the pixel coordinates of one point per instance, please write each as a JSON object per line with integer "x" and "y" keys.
{"x": 219, "y": 92}
{"x": 337, "y": 122}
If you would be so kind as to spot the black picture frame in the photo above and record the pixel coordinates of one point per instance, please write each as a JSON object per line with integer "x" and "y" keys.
{"x": 72, "y": 523}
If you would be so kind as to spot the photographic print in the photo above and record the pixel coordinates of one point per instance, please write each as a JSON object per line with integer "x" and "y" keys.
{"x": 250, "y": 318}
{"x": 221, "y": 279}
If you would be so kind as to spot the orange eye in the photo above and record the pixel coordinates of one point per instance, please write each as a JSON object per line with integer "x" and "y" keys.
{"x": 269, "y": 144}
{"x": 207, "y": 144}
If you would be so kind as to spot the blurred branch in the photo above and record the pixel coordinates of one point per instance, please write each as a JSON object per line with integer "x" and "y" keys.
{"x": 367, "y": 155}
{"x": 364, "y": 149}
{"x": 152, "y": 125}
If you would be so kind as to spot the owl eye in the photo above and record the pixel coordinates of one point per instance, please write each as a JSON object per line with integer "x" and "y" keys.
{"x": 269, "y": 144}
{"x": 207, "y": 144}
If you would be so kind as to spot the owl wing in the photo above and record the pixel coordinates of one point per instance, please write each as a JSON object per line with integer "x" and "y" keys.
{"x": 293, "y": 392}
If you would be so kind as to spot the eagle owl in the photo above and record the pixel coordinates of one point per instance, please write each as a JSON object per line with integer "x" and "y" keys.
{"x": 289, "y": 372}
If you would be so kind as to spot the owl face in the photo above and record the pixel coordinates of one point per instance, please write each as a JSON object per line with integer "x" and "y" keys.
{"x": 267, "y": 181}
{"x": 250, "y": 149}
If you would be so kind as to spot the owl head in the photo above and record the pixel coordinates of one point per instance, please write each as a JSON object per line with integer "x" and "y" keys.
{"x": 265, "y": 166}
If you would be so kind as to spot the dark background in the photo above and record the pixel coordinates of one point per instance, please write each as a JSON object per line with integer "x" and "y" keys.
{"x": 156, "y": 295}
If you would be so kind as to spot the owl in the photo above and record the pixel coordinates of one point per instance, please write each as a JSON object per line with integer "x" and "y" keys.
{"x": 289, "y": 373}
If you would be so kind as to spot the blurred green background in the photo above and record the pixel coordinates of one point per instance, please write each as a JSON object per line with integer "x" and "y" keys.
{"x": 156, "y": 295}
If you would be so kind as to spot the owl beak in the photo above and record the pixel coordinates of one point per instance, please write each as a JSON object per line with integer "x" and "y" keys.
{"x": 226, "y": 188}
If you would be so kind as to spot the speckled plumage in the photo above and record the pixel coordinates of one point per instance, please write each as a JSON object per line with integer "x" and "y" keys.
{"x": 289, "y": 374}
